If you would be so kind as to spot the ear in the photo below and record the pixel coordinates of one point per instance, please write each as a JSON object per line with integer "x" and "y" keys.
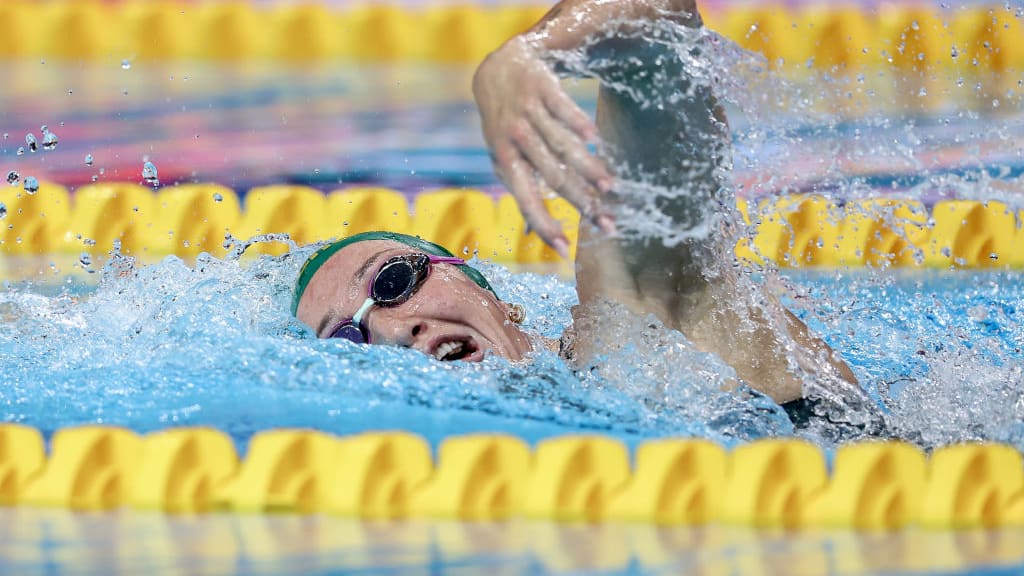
{"x": 516, "y": 313}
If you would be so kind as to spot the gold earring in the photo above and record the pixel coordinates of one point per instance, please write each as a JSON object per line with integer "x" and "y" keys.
{"x": 516, "y": 313}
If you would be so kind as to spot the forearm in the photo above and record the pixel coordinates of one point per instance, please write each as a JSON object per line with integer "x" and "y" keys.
{"x": 571, "y": 24}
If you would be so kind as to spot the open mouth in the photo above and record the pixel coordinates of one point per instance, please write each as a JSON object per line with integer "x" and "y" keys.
{"x": 455, "y": 349}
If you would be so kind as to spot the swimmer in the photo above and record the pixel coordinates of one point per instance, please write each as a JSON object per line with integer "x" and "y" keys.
{"x": 385, "y": 288}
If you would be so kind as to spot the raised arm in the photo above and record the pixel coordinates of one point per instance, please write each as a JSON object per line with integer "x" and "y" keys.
{"x": 535, "y": 130}
{"x": 657, "y": 196}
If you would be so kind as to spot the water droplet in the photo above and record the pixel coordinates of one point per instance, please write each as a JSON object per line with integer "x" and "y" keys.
{"x": 149, "y": 174}
{"x": 33, "y": 144}
{"x": 31, "y": 185}
{"x": 946, "y": 251}
{"x": 13, "y": 177}
{"x": 954, "y": 52}
{"x": 126, "y": 64}
{"x": 186, "y": 244}
{"x": 85, "y": 260}
{"x": 88, "y": 160}
{"x": 49, "y": 140}
{"x": 6, "y": 135}
{"x": 88, "y": 242}
{"x": 3, "y": 211}
{"x": 21, "y": 151}
{"x": 914, "y": 25}
{"x": 217, "y": 197}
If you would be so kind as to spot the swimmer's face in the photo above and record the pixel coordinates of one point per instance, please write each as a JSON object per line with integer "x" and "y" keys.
{"x": 449, "y": 317}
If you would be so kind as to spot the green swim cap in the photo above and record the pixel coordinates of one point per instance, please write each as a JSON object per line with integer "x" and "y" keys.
{"x": 318, "y": 258}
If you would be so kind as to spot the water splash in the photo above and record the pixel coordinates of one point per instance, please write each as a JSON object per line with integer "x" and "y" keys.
{"x": 149, "y": 174}
{"x": 31, "y": 185}
{"x": 50, "y": 140}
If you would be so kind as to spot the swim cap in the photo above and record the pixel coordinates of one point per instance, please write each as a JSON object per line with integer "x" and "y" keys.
{"x": 318, "y": 258}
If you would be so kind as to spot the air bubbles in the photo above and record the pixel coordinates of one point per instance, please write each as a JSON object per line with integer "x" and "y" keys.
{"x": 31, "y": 185}
{"x": 149, "y": 174}
{"x": 31, "y": 142}
{"x": 88, "y": 160}
{"x": 13, "y": 178}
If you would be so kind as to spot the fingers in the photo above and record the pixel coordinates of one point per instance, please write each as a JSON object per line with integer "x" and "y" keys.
{"x": 567, "y": 183}
{"x": 564, "y": 109}
{"x": 565, "y": 180}
{"x": 570, "y": 149}
{"x": 518, "y": 175}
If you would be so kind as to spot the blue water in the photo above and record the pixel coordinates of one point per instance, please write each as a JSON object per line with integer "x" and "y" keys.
{"x": 213, "y": 343}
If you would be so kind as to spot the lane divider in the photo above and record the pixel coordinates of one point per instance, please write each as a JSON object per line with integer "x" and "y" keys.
{"x": 776, "y": 483}
{"x": 791, "y": 231}
{"x": 911, "y": 38}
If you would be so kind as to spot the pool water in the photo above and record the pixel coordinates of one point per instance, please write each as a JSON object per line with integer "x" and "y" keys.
{"x": 211, "y": 342}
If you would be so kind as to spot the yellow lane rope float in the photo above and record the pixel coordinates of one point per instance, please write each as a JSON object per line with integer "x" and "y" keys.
{"x": 909, "y": 37}
{"x": 780, "y": 483}
{"x": 791, "y": 231}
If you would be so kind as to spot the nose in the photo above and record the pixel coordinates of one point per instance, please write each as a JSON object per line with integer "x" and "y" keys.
{"x": 397, "y": 329}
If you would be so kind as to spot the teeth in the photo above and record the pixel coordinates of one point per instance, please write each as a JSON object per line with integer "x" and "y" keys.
{"x": 447, "y": 348}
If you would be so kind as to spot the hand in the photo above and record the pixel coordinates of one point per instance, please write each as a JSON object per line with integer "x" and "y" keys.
{"x": 533, "y": 128}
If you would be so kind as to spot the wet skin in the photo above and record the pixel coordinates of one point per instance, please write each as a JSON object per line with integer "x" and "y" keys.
{"x": 449, "y": 317}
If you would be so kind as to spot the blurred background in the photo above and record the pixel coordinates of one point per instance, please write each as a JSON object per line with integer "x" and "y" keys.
{"x": 333, "y": 95}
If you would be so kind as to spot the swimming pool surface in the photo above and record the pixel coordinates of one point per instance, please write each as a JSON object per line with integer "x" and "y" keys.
{"x": 211, "y": 342}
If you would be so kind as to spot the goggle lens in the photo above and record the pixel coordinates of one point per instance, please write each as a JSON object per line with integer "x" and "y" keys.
{"x": 398, "y": 279}
{"x": 351, "y": 332}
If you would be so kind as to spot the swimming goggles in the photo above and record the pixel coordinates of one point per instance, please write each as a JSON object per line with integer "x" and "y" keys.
{"x": 394, "y": 283}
